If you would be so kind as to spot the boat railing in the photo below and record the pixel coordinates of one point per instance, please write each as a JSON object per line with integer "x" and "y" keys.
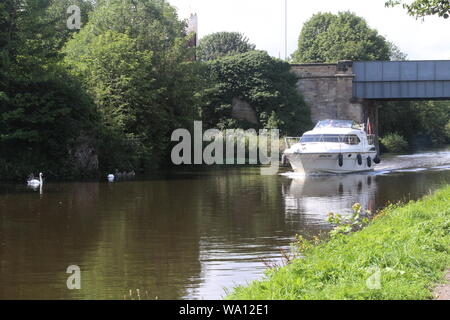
{"x": 371, "y": 139}
{"x": 290, "y": 141}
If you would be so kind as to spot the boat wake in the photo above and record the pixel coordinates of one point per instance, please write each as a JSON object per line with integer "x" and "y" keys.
{"x": 428, "y": 161}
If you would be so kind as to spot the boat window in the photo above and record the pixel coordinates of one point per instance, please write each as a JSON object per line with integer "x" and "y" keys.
{"x": 334, "y": 138}
{"x": 331, "y": 138}
{"x": 351, "y": 139}
{"x": 347, "y": 124}
{"x": 311, "y": 138}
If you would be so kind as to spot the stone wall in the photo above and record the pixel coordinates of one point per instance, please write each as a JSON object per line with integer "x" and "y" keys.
{"x": 243, "y": 111}
{"x": 328, "y": 90}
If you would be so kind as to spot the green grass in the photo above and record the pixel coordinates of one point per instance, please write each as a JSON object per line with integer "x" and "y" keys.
{"x": 409, "y": 245}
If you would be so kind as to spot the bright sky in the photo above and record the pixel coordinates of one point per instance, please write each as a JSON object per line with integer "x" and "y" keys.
{"x": 263, "y": 22}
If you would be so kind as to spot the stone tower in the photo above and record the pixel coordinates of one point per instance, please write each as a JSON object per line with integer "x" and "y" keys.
{"x": 193, "y": 29}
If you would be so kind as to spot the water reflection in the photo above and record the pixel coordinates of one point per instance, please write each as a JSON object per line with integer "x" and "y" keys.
{"x": 189, "y": 234}
{"x": 110, "y": 231}
{"x": 313, "y": 197}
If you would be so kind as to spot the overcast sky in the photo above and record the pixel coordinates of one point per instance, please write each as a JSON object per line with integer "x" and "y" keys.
{"x": 263, "y": 22}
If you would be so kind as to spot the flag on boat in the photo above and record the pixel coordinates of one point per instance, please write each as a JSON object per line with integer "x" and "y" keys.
{"x": 369, "y": 127}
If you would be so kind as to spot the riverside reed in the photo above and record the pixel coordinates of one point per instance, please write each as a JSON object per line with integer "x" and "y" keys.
{"x": 408, "y": 245}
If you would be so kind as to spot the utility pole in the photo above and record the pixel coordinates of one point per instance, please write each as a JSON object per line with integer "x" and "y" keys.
{"x": 285, "y": 29}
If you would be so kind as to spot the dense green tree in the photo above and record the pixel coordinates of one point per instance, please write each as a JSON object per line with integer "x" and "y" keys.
{"x": 117, "y": 74}
{"x": 4, "y": 48}
{"x": 422, "y": 8}
{"x": 422, "y": 123}
{"x": 447, "y": 131}
{"x": 396, "y": 54}
{"x": 220, "y": 44}
{"x": 43, "y": 110}
{"x": 40, "y": 123}
{"x": 57, "y": 16}
{"x": 398, "y": 118}
{"x": 133, "y": 58}
{"x": 265, "y": 83}
{"x": 327, "y": 37}
{"x": 33, "y": 31}
{"x": 433, "y": 117}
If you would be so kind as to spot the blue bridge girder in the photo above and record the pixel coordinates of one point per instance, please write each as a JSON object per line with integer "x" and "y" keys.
{"x": 402, "y": 80}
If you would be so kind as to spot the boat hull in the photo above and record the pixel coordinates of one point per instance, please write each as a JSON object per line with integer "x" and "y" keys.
{"x": 310, "y": 163}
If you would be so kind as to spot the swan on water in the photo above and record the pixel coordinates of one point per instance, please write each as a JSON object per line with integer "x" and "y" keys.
{"x": 110, "y": 177}
{"x": 35, "y": 182}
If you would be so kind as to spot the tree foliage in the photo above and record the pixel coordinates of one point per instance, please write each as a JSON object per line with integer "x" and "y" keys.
{"x": 421, "y": 123}
{"x": 265, "y": 83}
{"x": 422, "y": 8}
{"x": 133, "y": 59}
{"x": 137, "y": 83}
{"x": 220, "y": 44}
{"x": 447, "y": 130}
{"x": 43, "y": 110}
{"x": 393, "y": 142}
{"x": 327, "y": 37}
{"x": 40, "y": 123}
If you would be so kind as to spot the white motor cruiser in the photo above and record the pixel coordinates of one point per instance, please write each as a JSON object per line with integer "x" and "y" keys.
{"x": 333, "y": 146}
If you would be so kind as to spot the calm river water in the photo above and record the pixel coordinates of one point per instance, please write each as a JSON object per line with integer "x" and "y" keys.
{"x": 188, "y": 234}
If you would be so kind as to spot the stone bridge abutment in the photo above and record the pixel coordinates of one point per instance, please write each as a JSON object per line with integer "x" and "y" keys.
{"x": 328, "y": 90}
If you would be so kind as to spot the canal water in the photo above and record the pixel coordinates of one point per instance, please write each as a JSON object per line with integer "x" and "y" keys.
{"x": 189, "y": 234}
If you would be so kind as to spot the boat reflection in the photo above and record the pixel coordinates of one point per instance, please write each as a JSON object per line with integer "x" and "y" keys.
{"x": 313, "y": 197}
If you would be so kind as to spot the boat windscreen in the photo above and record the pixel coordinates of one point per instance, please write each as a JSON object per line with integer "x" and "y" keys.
{"x": 347, "y": 139}
{"x": 335, "y": 124}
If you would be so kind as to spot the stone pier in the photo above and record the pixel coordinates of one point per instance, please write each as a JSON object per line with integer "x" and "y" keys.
{"x": 328, "y": 90}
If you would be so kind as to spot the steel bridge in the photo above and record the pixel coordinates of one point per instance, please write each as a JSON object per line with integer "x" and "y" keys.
{"x": 401, "y": 80}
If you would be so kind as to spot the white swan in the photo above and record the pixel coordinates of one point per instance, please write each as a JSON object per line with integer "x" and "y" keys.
{"x": 111, "y": 177}
{"x": 35, "y": 182}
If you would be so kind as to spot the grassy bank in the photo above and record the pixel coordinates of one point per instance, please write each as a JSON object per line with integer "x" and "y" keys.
{"x": 407, "y": 246}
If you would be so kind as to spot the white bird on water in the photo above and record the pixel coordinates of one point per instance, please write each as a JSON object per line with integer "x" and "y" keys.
{"x": 35, "y": 182}
{"x": 111, "y": 177}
